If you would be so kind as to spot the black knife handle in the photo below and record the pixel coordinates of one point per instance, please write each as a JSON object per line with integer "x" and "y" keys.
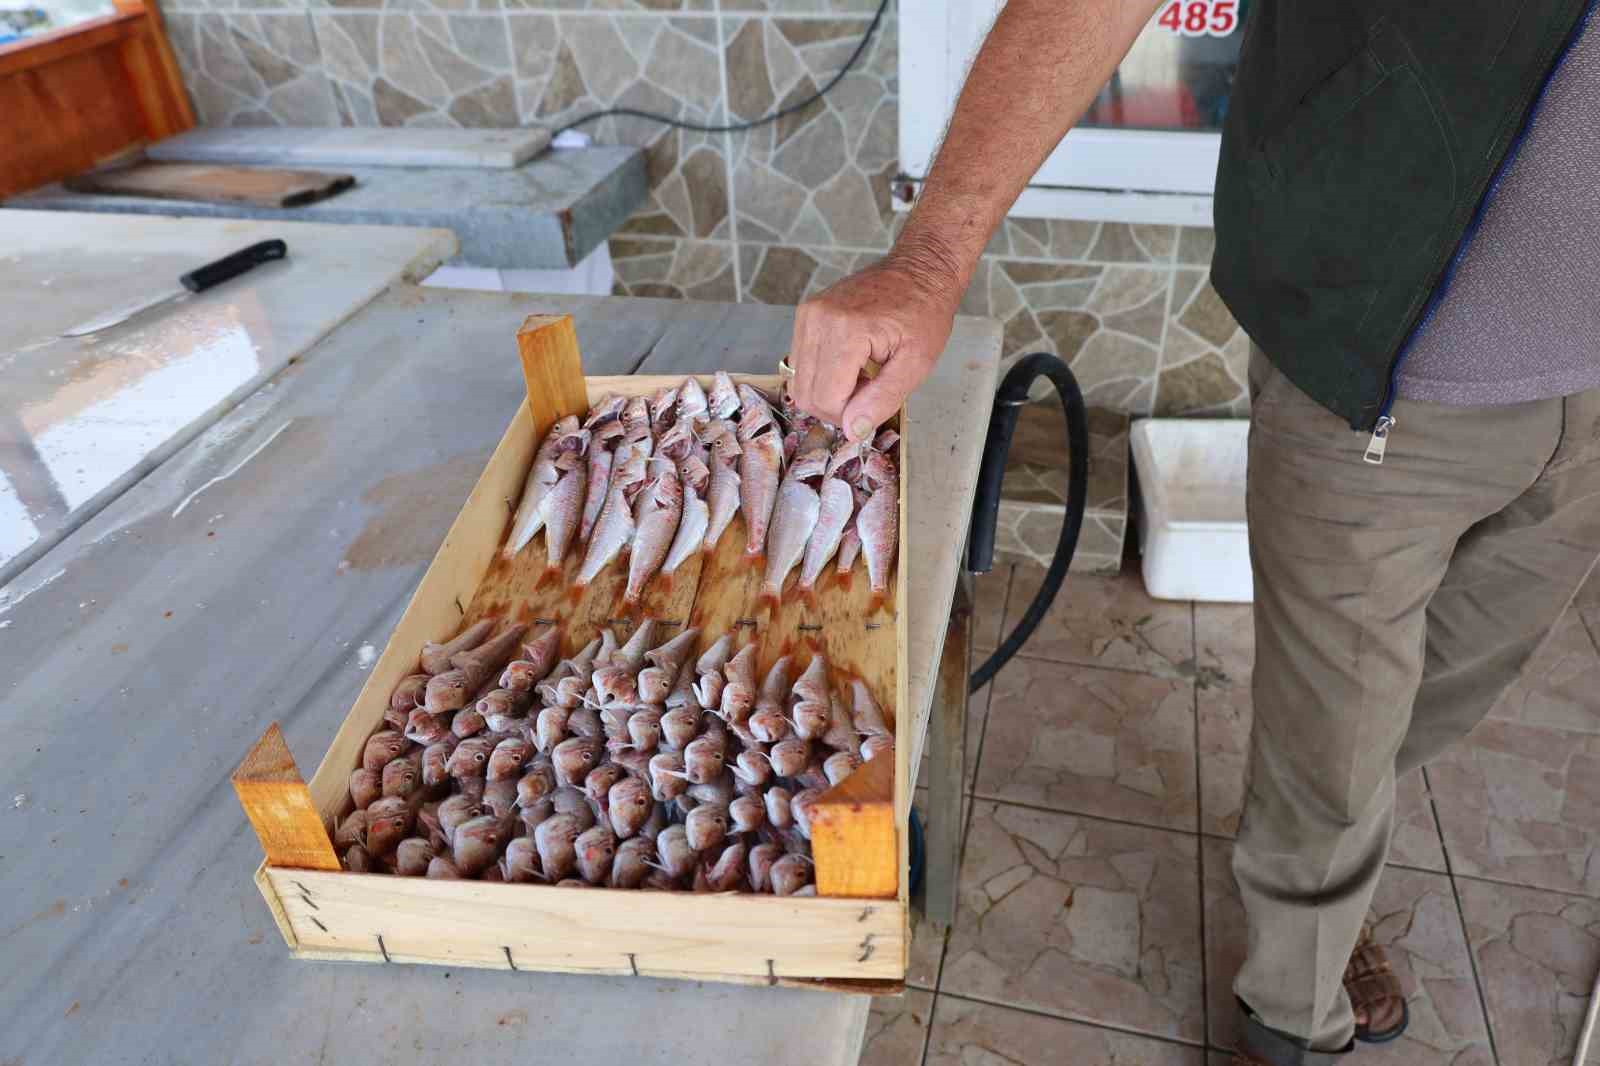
{"x": 231, "y": 266}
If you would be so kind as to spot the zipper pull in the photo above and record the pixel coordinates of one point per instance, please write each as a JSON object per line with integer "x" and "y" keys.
{"x": 1380, "y": 440}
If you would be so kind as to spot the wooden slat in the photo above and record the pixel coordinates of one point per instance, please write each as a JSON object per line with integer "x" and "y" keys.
{"x": 278, "y": 804}
{"x": 853, "y": 835}
{"x": 53, "y": 46}
{"x": 473, "y": 923}
{"x": 553, "y": 369}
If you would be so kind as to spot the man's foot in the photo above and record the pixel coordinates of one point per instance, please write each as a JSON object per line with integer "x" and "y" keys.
{"x": 1375, "y": 994}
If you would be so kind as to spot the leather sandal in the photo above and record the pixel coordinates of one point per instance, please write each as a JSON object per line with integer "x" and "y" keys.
{"x": 1375, "y": 990}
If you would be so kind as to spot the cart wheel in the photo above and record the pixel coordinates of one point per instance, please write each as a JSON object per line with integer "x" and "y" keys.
{"x": 918, "y": 852}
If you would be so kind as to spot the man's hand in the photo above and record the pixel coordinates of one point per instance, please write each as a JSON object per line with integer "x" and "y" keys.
{"x": 897, "y": 314}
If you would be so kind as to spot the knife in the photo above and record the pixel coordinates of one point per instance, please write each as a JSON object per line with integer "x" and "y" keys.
{"x": 195, "y": 281}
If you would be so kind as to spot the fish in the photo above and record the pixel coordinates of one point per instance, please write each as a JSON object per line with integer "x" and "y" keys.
{"x": 468, "y": 721}
{"x": 615, "y": 684}
{"x": 574, "y": 757}
{"x": 597, "y": 785}
{"x": 538, "y": 659}
{"x": 789, "y": 757}
{"x": 739, "y": 694}
{"x": 455, "y": 810}
{"x": 504, "y": 706}
{"x": 879, "y": 526}
{"x": 850, "y": 540}
{"x": 886, "y": 439}
{"x": 550, "y": 728}
{"x": 477, "y": 843}
{"x": 708, "y": 690}
{"x": 565, "y": 692}
{"x": 723, "y": 400}
{"x": 813, "y": 776}
{"x": 634, "y": 763}
{"x": 446, "y": 692}
{"x": 583, "y": 721}
{"x": 693, "y": 406}
{"x": 471, "y": 757}
{"x": 607, "y": 409}
{"x": 716, "y": 656}
{"x": 841, "y": 734}
{"x": 760, "y": 861}
{"x": 631, "y": 655}
{"x": 875, "y": 745}
{"x": 479, "y": 664}
{"x": 382, "y": 747}
{"x": 357, "y": 860}
{"x": 810, "y": 719}
{"x": 576, "y": 802}
{"x": 667, "y": 779}
{"x": 561, "y": 510}
{"x": 868, "y": 718}
{"x": 408, "y": 693}
{"x": 789, "y": 875}
{"x": 500, "y": 797}
{"x": 840, "y": 765}
{"x": 644, "y": 728}
{"x": 752, "y": 767}
{"x": 435, "y": 658}
{"x": 389, "y": 819}
{"x": 636, "y": 420}
{"x": 777, "y": 799}
{"x": 656, "y": 513}
{"x": 411, "y": 857}
{"x": 402, "y": 777}
{"x": 794, "y": 516}
{"x": 678, "y": 728}
{"x": 365, "y": 786}
{"x": 845, "y": 460}
{"x": 353, "y": 830}
{"x": 555, "y": 840}
{"x": 537, "y": 783}
{"x": 632, "y": 862}
{"x": 595, "y": 849}
{"x": 802, "y": 805}
{"x": 628, "y": 805}
{"x": 596, "y": 484}
{"x": 719, "y": 791}
{"x": 442, "y": 869}
{"x": 613, "y": 531}
{"x": 678, "y": 443}
{"x": 726, "y": 872}
{"x": 776, "y": 684}
{"x": 542, "y": 477}
{"x": 505, "y": 762}
{"x": 520, "y": 864}
{"x": 722, "y": 485}
{"x": 746, "y": 814}
{"x": 665, "y": 661}
{"x": 672, "y": 847}
{"x": 703, "y": 760}
{"x": 664, "y": 407}
{"x": 682, "y": 694}
{"x": 760, "y": 469}
{"x": 878, "y": 471}
{"x": 693, "y": 521}
{"x": 836, "y": 507}
{"x": 769, "y": 726}
{"x": 756, "y": 411}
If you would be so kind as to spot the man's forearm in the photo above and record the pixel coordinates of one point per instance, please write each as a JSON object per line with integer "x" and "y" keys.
{"x": 1036, "y": 74}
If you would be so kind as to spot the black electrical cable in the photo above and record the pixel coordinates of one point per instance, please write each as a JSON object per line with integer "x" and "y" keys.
{"x": 1002, "y": 425}
{"x": 739, "y": 127}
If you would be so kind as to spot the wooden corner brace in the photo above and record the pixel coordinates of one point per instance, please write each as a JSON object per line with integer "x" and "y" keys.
{"x": 853, "y": 837}
{"x": 278, "y": 803}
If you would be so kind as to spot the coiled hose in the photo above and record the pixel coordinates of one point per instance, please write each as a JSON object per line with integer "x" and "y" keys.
{"x": 986, "y": 506}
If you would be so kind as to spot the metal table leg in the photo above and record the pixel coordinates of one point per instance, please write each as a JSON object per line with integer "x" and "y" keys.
{"x": 947, "y": 755}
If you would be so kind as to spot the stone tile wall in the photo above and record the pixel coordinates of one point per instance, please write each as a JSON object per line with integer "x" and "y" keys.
{"x": 770, "y": 215}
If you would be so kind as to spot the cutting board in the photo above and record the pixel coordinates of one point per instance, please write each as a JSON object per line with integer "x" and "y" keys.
{"x": 214, "y": 184}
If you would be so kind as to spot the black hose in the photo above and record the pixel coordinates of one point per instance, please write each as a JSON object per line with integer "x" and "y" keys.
{"x": 986, "y": 506}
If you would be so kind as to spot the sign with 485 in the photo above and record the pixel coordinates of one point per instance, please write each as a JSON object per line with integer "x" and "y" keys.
{"x": 1200, "y": 18}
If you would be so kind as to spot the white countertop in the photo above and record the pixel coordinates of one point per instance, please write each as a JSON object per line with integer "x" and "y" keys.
{"x": 81, "y": 418}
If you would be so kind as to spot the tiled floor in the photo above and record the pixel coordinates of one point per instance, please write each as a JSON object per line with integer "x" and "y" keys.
{"x": 1099, "y": 923}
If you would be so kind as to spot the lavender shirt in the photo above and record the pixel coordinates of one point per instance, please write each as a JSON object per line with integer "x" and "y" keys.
{"x": 1521, "y": 319}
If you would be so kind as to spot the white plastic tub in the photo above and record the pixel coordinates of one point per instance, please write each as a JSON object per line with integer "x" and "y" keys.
{"x": 1191, "y": 508}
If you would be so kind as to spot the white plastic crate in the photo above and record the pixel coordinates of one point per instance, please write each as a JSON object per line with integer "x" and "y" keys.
{"x": 1192, "y": 528}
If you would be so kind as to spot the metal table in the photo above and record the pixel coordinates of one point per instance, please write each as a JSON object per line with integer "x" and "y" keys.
{"x": 251, "y": 577}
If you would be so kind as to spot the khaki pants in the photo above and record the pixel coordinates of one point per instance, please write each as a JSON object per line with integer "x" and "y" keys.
{"x": 1394, "y": 604}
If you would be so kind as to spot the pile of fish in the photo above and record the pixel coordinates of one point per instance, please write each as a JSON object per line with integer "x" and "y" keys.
{"x": 640, "y": 765}
{"x": 662, "y": 478}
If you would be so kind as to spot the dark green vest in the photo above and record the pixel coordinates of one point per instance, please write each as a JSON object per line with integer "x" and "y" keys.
{"x": 1361, "y": 137}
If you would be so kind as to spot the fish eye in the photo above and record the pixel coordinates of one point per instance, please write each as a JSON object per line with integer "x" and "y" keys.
{"x": 478, "y": 756}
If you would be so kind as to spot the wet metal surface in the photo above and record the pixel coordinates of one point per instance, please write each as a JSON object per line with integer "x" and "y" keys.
{"x": 81, "y": 417}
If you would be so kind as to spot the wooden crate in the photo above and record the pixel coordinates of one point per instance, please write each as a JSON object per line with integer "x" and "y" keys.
{"x": 854, "y": 934}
